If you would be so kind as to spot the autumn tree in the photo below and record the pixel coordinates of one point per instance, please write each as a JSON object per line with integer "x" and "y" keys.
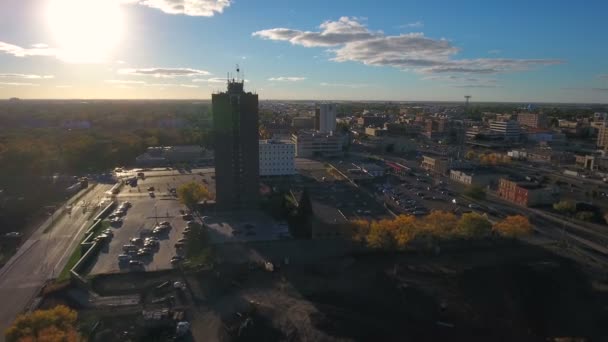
{"x": 406, "y": 229}
{"x": 440, "y": 223}
{"x": 56, "y": 324}
{"x": 513, "y": 226}
{"x": 190, "y": 194}
{"x": 474, "y": 225}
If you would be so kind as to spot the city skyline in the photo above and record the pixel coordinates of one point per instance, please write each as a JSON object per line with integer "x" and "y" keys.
{"x": 160, "y": 49}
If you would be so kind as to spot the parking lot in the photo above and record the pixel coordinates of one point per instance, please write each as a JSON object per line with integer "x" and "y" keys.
{"x": 244, "y": 226}
{"x": 146, "y": 212}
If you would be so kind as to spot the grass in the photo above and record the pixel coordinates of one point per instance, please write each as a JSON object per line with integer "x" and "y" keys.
{"x": 77, "y": 253}
{"x": 65, "y": 273}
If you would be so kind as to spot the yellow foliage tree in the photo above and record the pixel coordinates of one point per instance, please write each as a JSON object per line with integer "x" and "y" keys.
{"x": 56, "y": 324}
{"x": 440, "y": 223}
{"x": 513, "y": 226}
{"x": 381, "y": 235}
{"x": 191, "y": 193}
{"x": 407, "y": 228}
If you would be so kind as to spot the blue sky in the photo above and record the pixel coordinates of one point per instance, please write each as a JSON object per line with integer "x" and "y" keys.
{"x": 530, "y": 51}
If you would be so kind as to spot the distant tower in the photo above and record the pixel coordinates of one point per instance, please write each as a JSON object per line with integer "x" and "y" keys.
{"x": 467, "y": 98}
{"x": 235, "y": 132}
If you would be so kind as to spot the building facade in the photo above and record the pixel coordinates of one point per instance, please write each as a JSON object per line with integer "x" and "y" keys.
{"x": 602, "y": 137}
{"x": 526, "y": 194}
{"x": 303, "y": 122}
{"x": 473, "y": 178}
{"x": 325, "y": 117}
{"x": 277, "y": 158}
{"x": 532, "y": 120}
{"x": 311, "y": 144}
{"x": 235, "y": 123}
{"x": 435, "y": 164}
{"x": 509, "y": 130}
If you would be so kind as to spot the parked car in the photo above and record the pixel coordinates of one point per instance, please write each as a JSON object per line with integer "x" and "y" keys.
{"x": 108, "y": 232}
{"x": 187, "y": 217}
{"x": 127, "y": 248}
{"x": 179, "y": 245}
{"x": 136, "y": 264}
{"x": 137, "y": 241}
{"x": 124, "y": 258}
{"x": 150, "y": 188}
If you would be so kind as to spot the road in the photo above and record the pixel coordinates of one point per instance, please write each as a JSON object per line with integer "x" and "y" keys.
{"x": 44, "y": 255}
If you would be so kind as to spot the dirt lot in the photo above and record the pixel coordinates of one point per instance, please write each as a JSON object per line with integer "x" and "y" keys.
{"x": 507, "y": 293}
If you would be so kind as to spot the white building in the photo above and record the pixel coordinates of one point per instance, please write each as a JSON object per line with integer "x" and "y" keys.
{"x": 277, "y": 158}
{"x": 508, "y": 129}
{"x": 311, "y": 144}
{"x": 325, "y": 118}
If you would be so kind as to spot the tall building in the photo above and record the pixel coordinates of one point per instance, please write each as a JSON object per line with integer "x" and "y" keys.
{"x": 509, "y": 130}
{"x": 602, "y": 137}
{"x": 235, "y": 123}
{"x": 325, "y": 118}
{"x": 533, "y": 120}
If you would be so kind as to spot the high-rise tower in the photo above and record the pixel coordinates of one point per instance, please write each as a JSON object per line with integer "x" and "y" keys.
{"x": 235, "y": 131}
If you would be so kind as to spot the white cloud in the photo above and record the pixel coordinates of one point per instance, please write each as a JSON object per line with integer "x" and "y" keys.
{"x": 19, "y": 84}
{"x": 416, "y": 24}
{"x": 210, "y": 80}
{"x": 199, "y": 8}
{"x": 351, "y": 41}
{"x": 287, "y": 79}
{"x": 345, "y": 85}
{"x": 172, "y": 85}
{"x": 124, "y": 82}
{"x": 27, "y": 76}
{"x": 35, "y": 50}
{"x": 164, "y": 72}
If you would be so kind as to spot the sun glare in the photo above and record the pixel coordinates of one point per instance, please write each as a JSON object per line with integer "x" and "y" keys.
{"x": 85, "y": 31}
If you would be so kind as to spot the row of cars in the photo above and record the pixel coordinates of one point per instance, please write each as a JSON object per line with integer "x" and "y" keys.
{"x": 116, "y": 217}
{"x": 143, "y": 247}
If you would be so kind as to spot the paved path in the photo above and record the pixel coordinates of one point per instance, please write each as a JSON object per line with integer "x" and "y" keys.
{"x": 44, "y": 255}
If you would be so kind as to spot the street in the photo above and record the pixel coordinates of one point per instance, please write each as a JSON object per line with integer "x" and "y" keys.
{"x": 44, "y": 255}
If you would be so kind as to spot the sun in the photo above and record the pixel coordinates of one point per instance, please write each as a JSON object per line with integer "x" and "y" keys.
{"x": 85, "y": 31}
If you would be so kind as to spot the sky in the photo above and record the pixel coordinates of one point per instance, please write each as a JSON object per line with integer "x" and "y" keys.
{"x": 495, "y": 50}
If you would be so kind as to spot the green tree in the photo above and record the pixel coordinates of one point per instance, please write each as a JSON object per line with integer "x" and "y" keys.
{"x": 474, "y": 225}
{"x": 56, "y": 324}
{"x": 475, "y": 192}
{"x": 565, "y": 207}
{"x": 585, "y": 215}
{"x": 190, "y": 194}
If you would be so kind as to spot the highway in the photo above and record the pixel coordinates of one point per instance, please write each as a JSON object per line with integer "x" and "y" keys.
{"x": 44, "y": 254}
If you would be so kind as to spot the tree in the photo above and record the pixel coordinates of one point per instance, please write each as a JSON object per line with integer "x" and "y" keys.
{"x": 585, "y": 215}
{"x": 474, "y": 225}
{"x": 440, "y": 223}
{"x": 470, "y": 155}
{"x": 381, "y": 235}
{"x": 565, "y": 207}
{"x": 475, "y": 192}
{"x": 190, "y": 194}
{"x": 56, "y": 324}
{"x": 513, "y": 226}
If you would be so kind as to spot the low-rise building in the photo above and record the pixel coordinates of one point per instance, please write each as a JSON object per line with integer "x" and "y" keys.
{"x": 277, "y": 158}
{"x": 435, "y": 164}
{"x": 303, "y": 122}
{"x": 375, "y": 131}
{"x": 371, "y": 120}
{"x": 312, "y": 144}
{"x": 602, "y": 137}
{"x": 479, "y": 177}
{"x": 165, "y": 155}
{"x": 508, "y": 130}
{"x": 526, "y": 193}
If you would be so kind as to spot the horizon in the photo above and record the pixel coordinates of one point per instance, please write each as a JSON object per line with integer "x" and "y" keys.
{"x": 132, "y": 49}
